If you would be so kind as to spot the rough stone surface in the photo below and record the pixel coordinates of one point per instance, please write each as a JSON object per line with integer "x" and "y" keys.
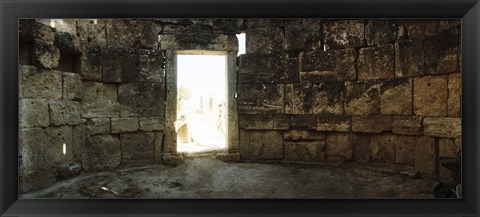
{"x": 371, "y": 124}
{"x": 339, "y": 146}
{"x": 334, "y": 123}
{"x": 409, "y": 58}
{"x": 454, "y": 95}
{"x": 323, "y": 98}
{"x": 405, "y": 150}
{"x": 30, "y": 30}
{"x": 100, "y": 109}
{"x": 425, "y": 155}
{"x": 340, "y": 34}
{"x": 361, "y": 148}
{"x": 376, "y": 62}
{"x": 281, "y": 122}
{"x": 261, "y": 145}
{"x": 362, "y": 98}
{"x": 441, "y": 52}
{"x": 67, "y": 42}
{"x": 132, "y": 33}
{"x": 150, "y": 66}
{"x": 264, "y": 40}
{"x": 33, "y": 113}
{"x": 267, "y": 68}
{"x": 97, "y": 91}
{"x": 141, "y": 99}
{"x": 124, "y": 125}
{"x": 104, "y": 153}
{"x": 32, "y": 143}
{"x": 79, "y": 143}
{"x": 304, "y": 36}
{"x": 64, "y": 112}
{"x": 43, "y": 84}
{"x": 91, "y": 63}
{"x": 305, "y": 151}
{"x": 396, "y": 97}
{"x": 137, "y": 146}
{"x": 379, "y": 32}
{"x": 448, "y": 148}
{"x": 382, "y": 148}
{"x": 45, "y": 55}
{"x": 331, "y": 65}
{"x": 96, "y": 126}
{"x": 442, "y": 127}
{"x": 300, "y": 135}
{"x": 407, "y": 125}
{"x": 430, "y": 95}
{"x": 91, "y": 32}
{"x": 150, "y": 123}
{"x": 120, "y": 65}
{"x": 72, "y": 86}
{"x": 260, "y": 98}
{"x": 255, "y": 122}
{"x": 57, "y": 137}
{"x": 304, "y": 122}
{"x": 422, "y": 28}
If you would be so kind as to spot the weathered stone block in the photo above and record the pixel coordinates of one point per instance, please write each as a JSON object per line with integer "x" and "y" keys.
{"x": 396, "y": 97}
{"x": 33, "y": 113}
{"x": 91, "y": 32}
{"x": 45, "y": 55}
{"x": 100, "y": 109}
{"x": 425, "y": 155}
{"x": 120, "y": 65}
{"x": 405, "y": 149}
{"x": 137, "y": 146}
{"x": 264, "y": 40}
{"x": 63, "y": 112}
{"x": 104, "y": 153}
{"x": 305, "y": 151}
{"x": 96, "y": 91}
{"x": 430, "y": 95}
{"x": 255, "y": 122}
{"x": 340, "y": 34}
{"x": 132, "y": 33}
{"x": 96, "y": 126}
{"x": 376, "y": 63}
{"x": 151, "y": 66}
{"x": 304, "y": 36}
{"x": 323, "y": 98}
{"x": 267, "y": 68}
{"x": 409, "y": 58}
{"x": 141, "y": 99}
{"x": 32, "y": 143}
{"x": 442, "y": 127}
{"x": 227, "y": 26}
{"x": 57, "y": 137}
{"x": 441, "y": 52}
{"x": 158, "y": 149}
{"x": 72, "y": 86}
{"x": 66, "y": 26}
{"x": 304, "y": 122}
{"x": 334, "y": 123}
{"x": 67, "y": 42}
{"x": 421, "y": 28}
{"x": 80, "y": 147}
{"x": 379, "y": 31}
{"x": 339, "y": 146}
{"x": 91, "y": 63}
{"x": 31, "y": 29}
{"x": 371, "y": 124}
{"x": 382, "y": 148}
{"x": 34, "y": 180}
{"x": 260, "y": 98}
{"x": 124, "y": 125}
{"x": 448, "y": 148}
{"x": 362, "y": 97}
{"x": 454, "y": 95}
{"x": 407, "y": 125}
{"x": 261, "y": 145}
{"x": 264, "y": 22}
{"x": 150, "y": 123}
{"x": 331, "y": 65}
{"x": 43, "y": 84}
{"x": 281, "y": 122}
{"x": 361, "y": 148}
{"x": 303, "y": 135}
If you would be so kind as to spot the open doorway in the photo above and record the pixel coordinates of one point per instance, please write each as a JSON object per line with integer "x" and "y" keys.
{"x": 201, "y": 122}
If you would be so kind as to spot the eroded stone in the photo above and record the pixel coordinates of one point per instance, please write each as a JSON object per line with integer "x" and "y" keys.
{"x": 430, "y": 95}
{"x": 33, "y": 113}
{"x": 65, "y": 112}
{"x": 376, "y": 62}
{"x": 340, "y": 34}
{"x": 339, "y": 146}
{"x": 124, "y": 125}
{"x": 137, "y": 146}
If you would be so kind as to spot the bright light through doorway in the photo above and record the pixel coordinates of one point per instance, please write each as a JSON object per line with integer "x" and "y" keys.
{"x": 201, "y": 103}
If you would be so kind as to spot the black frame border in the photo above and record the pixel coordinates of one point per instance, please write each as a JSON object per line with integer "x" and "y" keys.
{"x": 11, "y": 11}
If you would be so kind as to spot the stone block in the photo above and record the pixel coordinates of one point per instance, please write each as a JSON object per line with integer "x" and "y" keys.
{"x": 404, "y": 149}
{"x": 425, "y": 155}
{"x": 261, "y": 145}
{"x": 304, "y": 122}
{"x": 331, "y": 65}
{"x": 340, "y": 34}
{"x": 141, "y": 99}
{"x": 227, "y": 26}
{"x": 141, "y": 33}
{"x": 95, "y": 126}
{"x": 68, "y": 43}
{"x": 376, "y": 62}
{"x": 150, "y": 123}
{"x": 57, "y": 137}
{"x": 33, "y": 113}
{"x": 97, "y": 91}
{"x": 43, "y": 84}
{"x": 362, "y": 97}
{"x": 124, "y": 125}
{"x": 79, "y": 139}
{"x": 371, "y": 124}
{"x": 104, "y": 153}
{"x": 382, "y": 148}
{"x": 260, "y": 98}
{"x": 339, "y": 147}
{"x": 100, "y": 109}
{"x": 255, "y": 122}
{"x": 45, "y": 55}
{"x": 35, "y": 180}
{"x": 396, "y": 97}
{"x": 91, "y": 32}
{"x": 137, "y": 146}
{"x": 380, "y": 31}
{"x": 334, "y": 123}
{"x": 421, "y": 28}
{"x": 323, "y": 98}
{"x": 91, "y": 63}
{"x": 430, "y": 94}
{"x": 442, "y": 52}
{"x": 267, "y": 68}
{"x": 158, "y": 149}
{"x": 303, "y": 135}
{"x": 305, "y": 151}
{"x": 454, "y": 95}
{"x": 304, "y": 36}
{"x": 281, "y": 122}
{"x": 72, "y": 86}
{"x": 442, "y": 127}
{"x": 31, "y": 147}
{"x": 30, "y": 30}
{"x": 407, "y": 125}
{"x": 409, "y": 58}
{"x": 264, "y": 40}
{"x": 65, "y": 112}
{"x": 120, "y": 65}
{"x": 361, "y": 148}
{"x": 151, "y": 64}
{"x": 265, "y": 22}
{"x": 448, "y": 148}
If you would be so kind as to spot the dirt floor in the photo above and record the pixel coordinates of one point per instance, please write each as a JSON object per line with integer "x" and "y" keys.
{"x": 211, "y": 178}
